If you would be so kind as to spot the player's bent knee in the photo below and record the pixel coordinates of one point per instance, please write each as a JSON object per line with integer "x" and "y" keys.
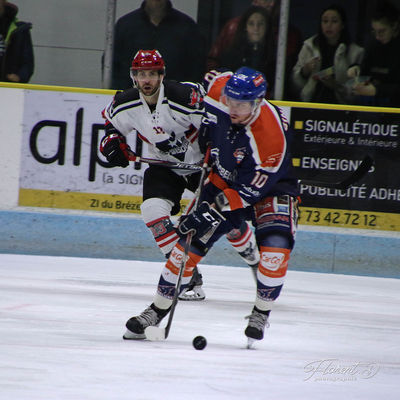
{"x": 154, "y": 208}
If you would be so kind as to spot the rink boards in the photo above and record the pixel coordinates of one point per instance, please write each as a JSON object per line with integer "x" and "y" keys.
{"x": 51, "y": 164}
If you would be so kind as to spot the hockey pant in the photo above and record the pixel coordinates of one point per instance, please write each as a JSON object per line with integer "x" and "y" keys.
{"x": 162, "y": 193}
{"x": 156, "y": 215}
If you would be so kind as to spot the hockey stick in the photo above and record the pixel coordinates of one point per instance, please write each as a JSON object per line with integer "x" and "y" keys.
{"x": 154, "y": 332}
{"x": 344, "y": 184}
{"x": 168, "y": 164}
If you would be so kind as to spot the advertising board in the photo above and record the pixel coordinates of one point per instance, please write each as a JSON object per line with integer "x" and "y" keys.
{"x": 61, "y": 166}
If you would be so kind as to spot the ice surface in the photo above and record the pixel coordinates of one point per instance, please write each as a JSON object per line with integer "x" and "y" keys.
{"x": 62, "y": 320}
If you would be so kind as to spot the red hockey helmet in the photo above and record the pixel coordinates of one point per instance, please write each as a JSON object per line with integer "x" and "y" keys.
{"x": 148, "y": 59}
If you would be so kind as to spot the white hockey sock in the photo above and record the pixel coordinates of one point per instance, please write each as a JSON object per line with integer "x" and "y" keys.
{"x": 156, "y": 215}
{"x": 244, "y": 242}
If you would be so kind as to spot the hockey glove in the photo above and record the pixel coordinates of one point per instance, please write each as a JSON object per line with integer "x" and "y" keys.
{"x": 202, "y": 223}
{"x": 204, "y": 138}
{"x": 116, "y": 150}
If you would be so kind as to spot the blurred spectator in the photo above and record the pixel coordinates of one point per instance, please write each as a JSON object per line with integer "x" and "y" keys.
{"x": 294, "y": 41}
{"x": 157, "y": 25}
{"x": 320, "y": 74}
{"x": 225, "y": 38}
{"x": 16, "y": 51}
{"x": 379, "y": 83}
{"x": 249, "y": 46}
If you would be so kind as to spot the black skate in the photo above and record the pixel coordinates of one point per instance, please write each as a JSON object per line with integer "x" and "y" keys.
{"x": 151, "y": 316}
{"x": 194, "y": 291}
{"x": 258, "y": 320}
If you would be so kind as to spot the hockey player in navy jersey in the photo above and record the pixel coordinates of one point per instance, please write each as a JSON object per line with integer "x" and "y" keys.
{"x": 250, "y": 180}
{"x": 166, "y": 115}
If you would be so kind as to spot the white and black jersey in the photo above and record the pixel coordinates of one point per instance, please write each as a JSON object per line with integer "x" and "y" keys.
{"x": 170, "y": 128}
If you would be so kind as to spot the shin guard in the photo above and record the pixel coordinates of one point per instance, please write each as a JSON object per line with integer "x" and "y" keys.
{"x": 271, "y": 275}
{"x": 169, "y": 274}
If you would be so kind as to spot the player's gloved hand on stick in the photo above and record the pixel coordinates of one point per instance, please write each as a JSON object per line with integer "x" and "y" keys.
{"x": 115, "y": 149}
{"x": 204, "y": 138}
{"x": 202, "y": 223}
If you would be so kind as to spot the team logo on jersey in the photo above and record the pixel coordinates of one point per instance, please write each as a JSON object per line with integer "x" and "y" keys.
{"x": 239, "y": 154}
{"x": 195, "y": 98}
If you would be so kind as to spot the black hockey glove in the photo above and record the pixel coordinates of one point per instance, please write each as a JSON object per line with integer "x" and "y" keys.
{"x": 116, "y": 150}
{"x": 204, "y": 138}
{"x": 202, "y": 223}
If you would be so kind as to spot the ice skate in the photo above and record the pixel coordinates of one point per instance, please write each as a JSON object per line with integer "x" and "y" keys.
{"x": 151, "y": 316}
{"x": 258, "y": 320}
{"x": 194, "y": 291}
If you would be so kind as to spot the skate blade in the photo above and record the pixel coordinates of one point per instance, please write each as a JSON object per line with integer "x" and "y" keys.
{"x": 197, "y": 294}
{"x": 128, "y": 335}
{"x": 191, "y": 297}
{"x": 154, "y": 333}
{"x": 251, "y": 343}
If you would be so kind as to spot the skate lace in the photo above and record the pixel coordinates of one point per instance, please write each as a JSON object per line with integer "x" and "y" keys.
{"x": 258, "y": 320}
{"x": 148, "y": 317}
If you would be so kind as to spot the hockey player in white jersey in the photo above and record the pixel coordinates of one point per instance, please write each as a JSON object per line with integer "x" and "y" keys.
{"x": 166, "y": 115}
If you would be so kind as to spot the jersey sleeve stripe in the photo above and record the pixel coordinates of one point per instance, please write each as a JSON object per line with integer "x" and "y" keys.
{"x": 217, "y": 181}
{"x": 184, "y": 110}
{"x": 216, "y": 104}
{"x": 235, "y": 201}
{"x": 126, "y": 106}
{"x": 268, "y": 149}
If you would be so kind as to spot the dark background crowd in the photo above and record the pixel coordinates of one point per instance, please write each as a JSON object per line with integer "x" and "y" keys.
{"x": 338, "y": 51}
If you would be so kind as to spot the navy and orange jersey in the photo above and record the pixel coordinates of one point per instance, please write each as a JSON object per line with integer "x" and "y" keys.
{"x": 250, "y": 161}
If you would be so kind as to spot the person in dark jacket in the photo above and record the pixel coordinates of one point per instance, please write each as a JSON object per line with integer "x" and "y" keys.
{"x": 381, "y": 64}
{"x": 250, "y": 45}
{"x": 16, "y": 50}
{"x": 157, "y": 25}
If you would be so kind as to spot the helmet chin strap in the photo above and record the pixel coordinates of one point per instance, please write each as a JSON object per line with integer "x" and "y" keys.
{"x": 152, "y": 96}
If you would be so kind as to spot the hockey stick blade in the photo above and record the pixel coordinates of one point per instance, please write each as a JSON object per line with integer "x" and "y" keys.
{"x": 344, "y": 184}
{"x": 155, "y": 333}
{"x": 167, "y": 164}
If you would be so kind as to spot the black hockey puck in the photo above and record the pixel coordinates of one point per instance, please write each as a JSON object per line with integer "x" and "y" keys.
{"x": 199, "y": 342}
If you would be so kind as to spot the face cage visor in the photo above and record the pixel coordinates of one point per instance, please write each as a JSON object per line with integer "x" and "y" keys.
{"x": 134, "y": 74}
{"x": 240, "y": 107}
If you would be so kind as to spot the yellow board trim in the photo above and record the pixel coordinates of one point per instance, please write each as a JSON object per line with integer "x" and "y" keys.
{"x": 131, "y": 204}
{"x": 279, "y": 103}
{"x": 82, "y": 201}
{"x": 29, "y": 86}
{"x": 349, "y": 219}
